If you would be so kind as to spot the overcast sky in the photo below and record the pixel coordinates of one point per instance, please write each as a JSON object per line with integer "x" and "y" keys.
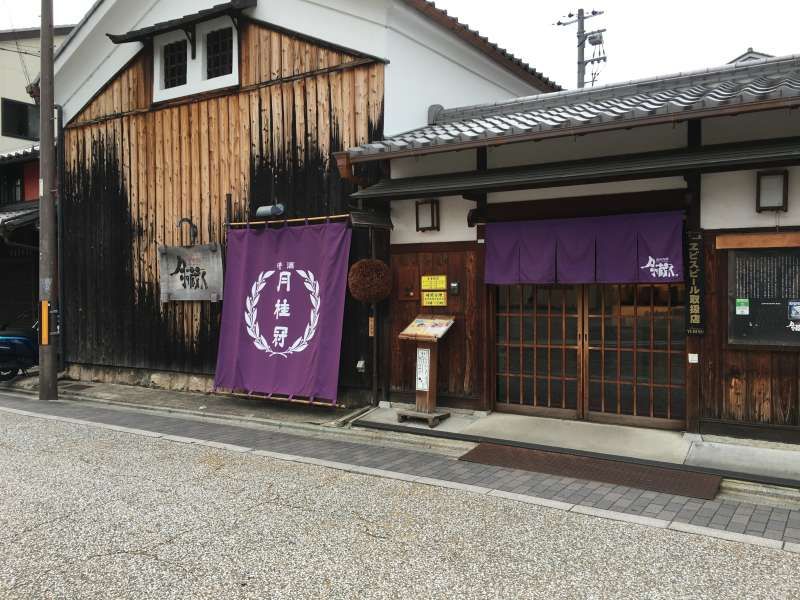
{"x": 675, "y": 36}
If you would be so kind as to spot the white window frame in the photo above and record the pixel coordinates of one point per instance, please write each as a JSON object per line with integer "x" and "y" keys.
{"x": 196, "y": 80}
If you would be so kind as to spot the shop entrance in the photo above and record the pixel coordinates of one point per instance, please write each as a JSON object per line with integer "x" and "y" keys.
{"x": 612, "y": 353}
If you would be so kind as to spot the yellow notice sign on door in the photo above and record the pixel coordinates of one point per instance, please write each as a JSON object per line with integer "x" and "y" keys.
{"x": 433, "y": 282}
{"x": 434, "y": 298}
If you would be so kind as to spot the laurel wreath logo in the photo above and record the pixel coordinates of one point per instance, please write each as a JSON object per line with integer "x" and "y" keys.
{"x": 251, "y": 314}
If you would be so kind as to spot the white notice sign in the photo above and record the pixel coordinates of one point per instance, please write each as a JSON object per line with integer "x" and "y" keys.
{"x": 423, "y": 368}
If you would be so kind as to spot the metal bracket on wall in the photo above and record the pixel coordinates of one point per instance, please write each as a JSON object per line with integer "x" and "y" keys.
{"x": 191, "y": 35}
{"x": 192, "y": 229}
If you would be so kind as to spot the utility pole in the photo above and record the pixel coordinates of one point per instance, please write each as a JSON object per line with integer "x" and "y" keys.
{"x": 595, "y": 38}
{"x": 48, "y": 359}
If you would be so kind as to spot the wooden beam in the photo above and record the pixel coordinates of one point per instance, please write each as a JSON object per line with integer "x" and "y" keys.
{"x": 736, "y": 241}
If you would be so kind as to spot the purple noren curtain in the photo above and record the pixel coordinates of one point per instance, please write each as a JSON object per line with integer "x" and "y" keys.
{"x": 282, "y": 317}
{"x": 633, "y": 248}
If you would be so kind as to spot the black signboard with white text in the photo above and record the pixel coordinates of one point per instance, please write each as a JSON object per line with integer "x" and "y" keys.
{"x": 764, "y": 297}
{"x": 695, "y": 284}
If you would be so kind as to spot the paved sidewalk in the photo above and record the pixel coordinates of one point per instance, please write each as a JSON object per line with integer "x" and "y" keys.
{"x": 739, "y": 521}
{"x": 213, "y": 405}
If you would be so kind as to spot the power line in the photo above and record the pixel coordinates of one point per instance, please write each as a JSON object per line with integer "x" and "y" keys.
{"x": 20, "y": 52}
{"x": 595, "y": 39}
{"x": 36, "y": 54}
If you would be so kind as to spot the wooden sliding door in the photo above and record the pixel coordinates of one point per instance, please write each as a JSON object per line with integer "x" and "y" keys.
{"x": 539, "y": 331}
{"x": 611, "y": 353}
{"x": 635, "y": 354}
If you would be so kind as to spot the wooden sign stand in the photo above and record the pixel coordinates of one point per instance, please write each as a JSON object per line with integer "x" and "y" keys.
{"x": 426, "y": 331}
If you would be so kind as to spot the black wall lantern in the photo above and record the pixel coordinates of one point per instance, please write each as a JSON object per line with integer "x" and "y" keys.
{"x": 772, "y": 190}
{"x": 428, "y": 214}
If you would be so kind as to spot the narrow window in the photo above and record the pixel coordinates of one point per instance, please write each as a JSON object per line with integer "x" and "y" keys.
{"x": 219, "y": 53}
{"x": 19, "y": 119}
{"x": 175, "y": 64}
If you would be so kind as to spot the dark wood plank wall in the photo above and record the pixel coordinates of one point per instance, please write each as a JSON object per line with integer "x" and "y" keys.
{"x": 461, "y": 372}
{"x": 133, "y": 170}
{"x": 745, "y": 384}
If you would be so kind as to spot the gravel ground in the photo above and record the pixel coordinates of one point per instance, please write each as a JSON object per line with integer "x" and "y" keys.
{"x": 92, "y": 513}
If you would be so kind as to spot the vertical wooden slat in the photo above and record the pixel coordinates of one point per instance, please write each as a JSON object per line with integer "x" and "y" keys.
{"x": 619, "y": 349}
{"x": 214, "y": 167}
{"x": 521, "y": 311}
{"x": 235, "y": 133}
{"x": 275, "y": 56}
{"x": 669, "y": 352}
{"x": 323, "y": 85}
{"x": 205, "y": 175}
{"x": 602, "y": 292}
{"x": 348, "y": 106}
{"x": 196, "y": 196}
{"x": 361, "y": 105}
{"x": 287, "y": 59}
{"x": 336, "y": 110}
{"x": 188, "y": 308}
{"x": 264, "y": 51}
{"x": 759, "y": 392}
{"x": 243, "y": 153}
{"x": 507, "y": 398}
{"x": 652, "y": 348}
{"x": 277, "y": 148}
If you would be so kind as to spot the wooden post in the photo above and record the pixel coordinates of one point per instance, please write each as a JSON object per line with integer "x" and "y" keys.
{"x": 426, "y": 331}
{"x": 426, "y": 399}
{"x": 693, "y": 342}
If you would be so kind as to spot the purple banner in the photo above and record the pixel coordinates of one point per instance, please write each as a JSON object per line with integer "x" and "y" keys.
{"x": 282, "y": 316}
{"x": 634, "y": 248}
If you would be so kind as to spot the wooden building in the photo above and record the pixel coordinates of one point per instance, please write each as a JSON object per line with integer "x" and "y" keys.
{"x": 188, "y": 110}
{"x": 19, "y": 217}
{"x": 716, "y": 350}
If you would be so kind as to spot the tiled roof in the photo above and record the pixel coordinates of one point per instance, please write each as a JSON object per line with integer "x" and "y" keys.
{"x": 676, "y": 96}
{"x": 482, "y": 43}
{"x": 234, "y": 6}
{"x": 18, "y": 155}
{"x": 16, "y": 215}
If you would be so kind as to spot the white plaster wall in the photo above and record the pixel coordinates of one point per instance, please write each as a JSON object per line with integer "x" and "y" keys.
{"x": 91, "y": 60}
{"x": 752, "y": 126}
{"x": 609, "y": 143}
{"x": 428, "y": 65}
{"x": 14, "y": 81}
{"x": 434, "y": 164}
{"x": 453, "y": 212}
{"x": 729, "y": 201}
{"x": 594, "y": 189}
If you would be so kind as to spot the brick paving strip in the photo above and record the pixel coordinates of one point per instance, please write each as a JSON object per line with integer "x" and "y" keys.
{"x": 735, "y": 521}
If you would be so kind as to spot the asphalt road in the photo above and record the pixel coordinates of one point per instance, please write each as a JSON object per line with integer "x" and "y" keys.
{"x": 91, "y": 513}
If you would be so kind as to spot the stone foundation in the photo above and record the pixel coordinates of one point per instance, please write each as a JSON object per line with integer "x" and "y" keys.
{"x": 181, "y": 382}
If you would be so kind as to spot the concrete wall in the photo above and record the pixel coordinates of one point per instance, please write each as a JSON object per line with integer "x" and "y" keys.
{"x": 427, "y": 63}
{"x": 14, "y": 80}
